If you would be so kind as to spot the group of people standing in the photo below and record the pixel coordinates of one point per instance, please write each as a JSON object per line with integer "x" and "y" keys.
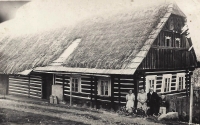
{"x": 151, "y": 103}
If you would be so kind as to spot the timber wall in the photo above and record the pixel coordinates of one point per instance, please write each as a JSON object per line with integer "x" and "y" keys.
{"x": 30, "y": 86}
{"x": 120, "y": 85}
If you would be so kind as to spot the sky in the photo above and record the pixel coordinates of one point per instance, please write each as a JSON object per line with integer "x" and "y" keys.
{"x": 53, "y": 11}
{"x": 191, "y": 8}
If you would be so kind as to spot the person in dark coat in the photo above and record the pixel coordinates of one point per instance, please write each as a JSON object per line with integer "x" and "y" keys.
{"x": 152, "y": 102}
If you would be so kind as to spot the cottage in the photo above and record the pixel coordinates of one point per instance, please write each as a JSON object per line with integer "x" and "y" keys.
{"x": 103, "y": 56}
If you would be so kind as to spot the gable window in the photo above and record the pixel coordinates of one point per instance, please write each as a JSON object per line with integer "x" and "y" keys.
{"x": 180, "y": 81}
{"x": 104, "y": 87}
{"x": 178, "y": 42}
{"x": 166, "y": 83}
{"x": 167, "y": 41}
{"x": 76, "y": 84}
{"x": 150, "y": 82}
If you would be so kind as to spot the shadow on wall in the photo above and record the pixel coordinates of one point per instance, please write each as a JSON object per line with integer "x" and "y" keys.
{"x": 8, "y": 9}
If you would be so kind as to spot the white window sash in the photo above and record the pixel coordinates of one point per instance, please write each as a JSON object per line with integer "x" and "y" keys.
{"x": 169, "y": 78}
{"x": 72, "y": 79}
{"x": 177, "y": 80}
{"x": 99, "y": 87}
{"x": 179, "y": 42}
{"x": 149, "y": 81}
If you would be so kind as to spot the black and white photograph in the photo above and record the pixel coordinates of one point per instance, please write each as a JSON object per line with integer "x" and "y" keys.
{"x": 99, "y": 62}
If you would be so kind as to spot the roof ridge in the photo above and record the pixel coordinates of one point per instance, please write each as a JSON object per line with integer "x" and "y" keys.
{"x": 177, "y": 11}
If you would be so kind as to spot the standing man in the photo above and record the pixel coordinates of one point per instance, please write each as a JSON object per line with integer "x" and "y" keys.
{"x": 152, "y": 101}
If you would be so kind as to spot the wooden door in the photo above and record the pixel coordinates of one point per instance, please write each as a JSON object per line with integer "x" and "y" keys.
{"x": 4, "y": 84}
{"x": 47, "y": 85}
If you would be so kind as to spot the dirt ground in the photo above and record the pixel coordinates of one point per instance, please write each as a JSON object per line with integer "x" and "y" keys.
{"x": 22, "y": 112}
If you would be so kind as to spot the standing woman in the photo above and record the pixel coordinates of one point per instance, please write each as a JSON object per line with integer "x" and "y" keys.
{"x": 130, "y": 98}
{"x": 142, "y": 98}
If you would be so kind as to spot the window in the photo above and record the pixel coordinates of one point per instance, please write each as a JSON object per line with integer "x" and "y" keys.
{"x": 104, "y": 87}
{"x": 167, "y": 41}
{"x": 180, "y": 81}
{"x": 150, "y": 82}
{"x": 76, "y": 84}
{"x": 166, "y": 83}
{"x": 178, "y": 42}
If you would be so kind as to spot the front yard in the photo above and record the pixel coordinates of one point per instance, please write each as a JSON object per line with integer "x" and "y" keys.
{"x": 22, "y": 112}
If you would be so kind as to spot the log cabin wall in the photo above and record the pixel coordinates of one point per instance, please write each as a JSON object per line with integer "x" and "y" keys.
{"x": 30, "y": 86}
{"x": 122, "y": 84}
{"x": 118, "y": 88}
{"x": 174, "y": 81}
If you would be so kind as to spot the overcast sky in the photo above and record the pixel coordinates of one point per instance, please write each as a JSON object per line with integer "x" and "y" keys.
{"x": 191, "y": 8}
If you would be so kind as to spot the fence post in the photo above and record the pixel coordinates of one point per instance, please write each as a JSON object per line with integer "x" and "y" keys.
{"x": 191, "y": 102}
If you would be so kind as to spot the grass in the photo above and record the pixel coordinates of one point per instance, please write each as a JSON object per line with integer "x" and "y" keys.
{"x": 8, "y": 116}
{"x": 22, "y": 112}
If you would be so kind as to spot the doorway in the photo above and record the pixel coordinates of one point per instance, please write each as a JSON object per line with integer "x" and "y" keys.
{"x": 47, "y": 82}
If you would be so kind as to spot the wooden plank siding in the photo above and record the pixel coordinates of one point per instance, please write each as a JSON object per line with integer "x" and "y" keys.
{"x": 165, "y": 57}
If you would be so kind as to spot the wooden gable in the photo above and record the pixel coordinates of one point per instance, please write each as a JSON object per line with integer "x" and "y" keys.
{"x": 171, "y": 49}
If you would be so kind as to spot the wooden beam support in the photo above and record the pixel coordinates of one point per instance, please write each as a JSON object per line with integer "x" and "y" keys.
{"x": 144, "y": 81}
{"x": 112, "y": 92}
{"x": 119, "y": 98}
{"x": 95, "y": 84}
{"x": 169, "y": 48}
{"x": 63, "y": 82}
{"x": 91, "y": 91}
{"x": 186, "y": 81}
{"x": 136, "y": 87}
{"x": 29, "y": 82}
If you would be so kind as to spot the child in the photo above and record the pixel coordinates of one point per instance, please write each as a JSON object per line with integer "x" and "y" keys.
{"x": 163, "y": 104}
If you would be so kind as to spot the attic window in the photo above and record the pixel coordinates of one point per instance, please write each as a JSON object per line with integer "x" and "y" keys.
{"x": 178, "y": 42}
{"x": 167, "y": 41}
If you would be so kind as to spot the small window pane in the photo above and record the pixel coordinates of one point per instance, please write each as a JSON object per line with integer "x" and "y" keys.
{"x": 180, "y": 83}
{"x": 168, "y": 42}
{"x": 104, "y": 87}
{"x": 166, "y": 84}
{"x": 75, "y": 84}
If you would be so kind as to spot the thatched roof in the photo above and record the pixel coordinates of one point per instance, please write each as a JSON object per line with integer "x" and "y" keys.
{"x": 111, "y": 42}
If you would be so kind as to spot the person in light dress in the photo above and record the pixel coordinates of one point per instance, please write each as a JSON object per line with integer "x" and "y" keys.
{"x": 142, "y": 98}
{"x": 130, "y": 98}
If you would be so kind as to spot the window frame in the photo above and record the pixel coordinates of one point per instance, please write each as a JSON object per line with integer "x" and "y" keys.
{"x": 177, "y": 81}
{"x": 179, "y": 44}
{"x": 99, "y": 86}
{"x": 170, "y": 41}
{"x": 78, "y": 77}
{"x": 148, "y": 78}
{"x": 166, "y": 76}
